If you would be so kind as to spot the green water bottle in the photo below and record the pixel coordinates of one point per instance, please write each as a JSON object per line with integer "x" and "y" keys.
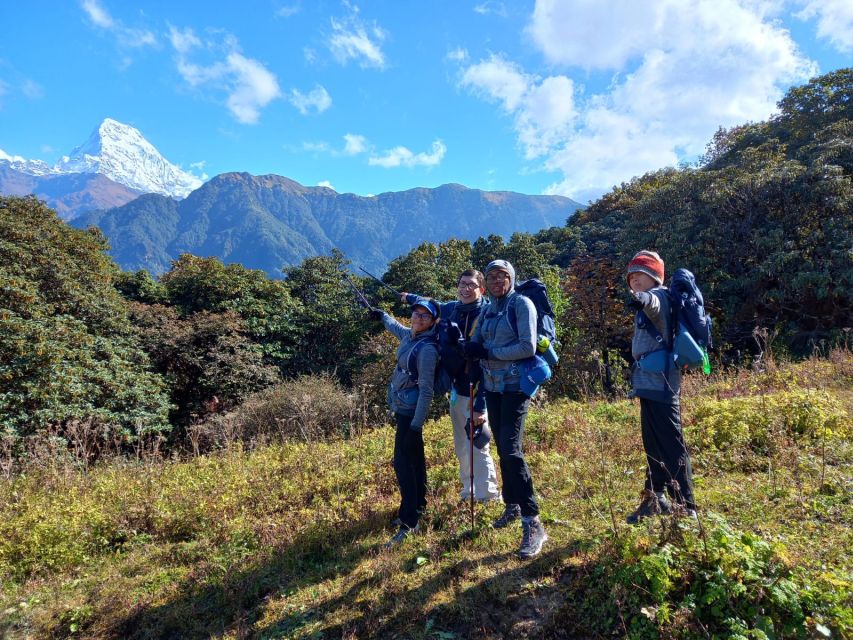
{"x": 706, "y": 362}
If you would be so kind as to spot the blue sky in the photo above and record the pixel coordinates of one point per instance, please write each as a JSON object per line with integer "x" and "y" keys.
{"x": 568, "y": 97}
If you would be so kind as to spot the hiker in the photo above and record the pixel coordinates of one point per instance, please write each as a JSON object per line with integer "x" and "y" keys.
{"x": 464, "y": 311}
{"x": 660, "y": 416}
{"x": 501, "y": 344}
{"x": 410, "y": 401}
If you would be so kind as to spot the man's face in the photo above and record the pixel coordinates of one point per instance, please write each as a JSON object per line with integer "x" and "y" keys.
{"x": 468, "y": 290}
{"x": 498, "y": 282}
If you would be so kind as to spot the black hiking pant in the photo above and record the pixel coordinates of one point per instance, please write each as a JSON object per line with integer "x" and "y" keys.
{"x": 410, "y": 467}
{"x": 668, "y": 461}
{"x": 507, "y": 412}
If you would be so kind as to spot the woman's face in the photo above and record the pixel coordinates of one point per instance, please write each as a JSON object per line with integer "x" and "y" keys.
{"x": 468, "y": 290}
{"x": 498, "y": 282}
{"x": 422, "y": 319}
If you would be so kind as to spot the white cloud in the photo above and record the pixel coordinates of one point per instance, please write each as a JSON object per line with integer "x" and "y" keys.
{"x": 544, "y": 110}
{"x": 682, "y": 70}
{"x": 128, "y": 37}
{"x": 457, "y": 55}
{"x": 253, "y": 87}
{"x": 317, "y": 99}
{"x": 491, "y": 6}
{"x": 351, "y": 39}
{"x": 288, "y": 10}
{"x": 32, "y": 89}
{"x": 183, "y": 40}
{"x": 249, "y": 84}
{"x": 325, "y": 183}
{"x": 198, "y": 169}
{"x": 403, "y": 157}
{"x": 354, "y": 144}
{"x": 315, "y": 147}
{"x": 834, "y": 21}
{"x": 97, "y": 14}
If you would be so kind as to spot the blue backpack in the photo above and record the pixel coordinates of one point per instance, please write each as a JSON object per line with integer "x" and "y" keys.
{"x": 451, "y": 359}
{"x": 691, "y": 325}
{"x": 535, "y": 290}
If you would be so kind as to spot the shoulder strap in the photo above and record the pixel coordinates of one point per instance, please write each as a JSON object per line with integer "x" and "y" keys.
{"x": 412, "y": 358}
{"x": 510, "y": 311}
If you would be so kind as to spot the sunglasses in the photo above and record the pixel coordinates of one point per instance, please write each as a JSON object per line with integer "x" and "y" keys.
{"x": 423, "y": 315}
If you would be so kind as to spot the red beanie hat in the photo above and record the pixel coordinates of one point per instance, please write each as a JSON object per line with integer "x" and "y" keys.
{"x": 647, "y": 262}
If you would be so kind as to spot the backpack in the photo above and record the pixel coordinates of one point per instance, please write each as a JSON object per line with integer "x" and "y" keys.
{"x": 535, "y": 290}
{"x": 690, "y": 323}
{"x": 451, "y": 359}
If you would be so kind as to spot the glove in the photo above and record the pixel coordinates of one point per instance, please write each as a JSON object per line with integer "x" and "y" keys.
{"x": 634, "y": 305}
{"x": 375, "y": 315}
{"x": 475, "y": 350}
{"x": 643, "y": 297}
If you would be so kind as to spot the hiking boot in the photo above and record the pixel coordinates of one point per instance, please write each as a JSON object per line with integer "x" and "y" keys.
{"x": 402, "y": 533}
{"x": 652, "y": 504}
{"x": 512, "y": 512}
{"x": 532, "y": 538}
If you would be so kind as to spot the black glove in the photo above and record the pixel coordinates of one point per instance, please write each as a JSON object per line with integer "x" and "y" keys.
{"x": 475, "y": 350}
{"x": 634, "y": 305}
{"x": 641, "y": 299}
{"x": 375, "y": 315}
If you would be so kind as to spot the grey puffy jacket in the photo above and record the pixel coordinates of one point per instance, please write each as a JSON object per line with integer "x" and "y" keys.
{"x": 404, "y": 395}
{"x": 648, "y": 384}
{"x": 506, "y": 346}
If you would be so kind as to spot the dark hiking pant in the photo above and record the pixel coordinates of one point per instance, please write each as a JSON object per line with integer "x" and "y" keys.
{"x": 507, "y": 412}
{"x": 410, "y": 467}
{"x": 668, "y": 461}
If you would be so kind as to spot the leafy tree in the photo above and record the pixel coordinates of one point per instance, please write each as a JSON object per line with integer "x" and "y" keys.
{"x": 524, "y": 256}
{"x": 329, "y": 323}
{"x": 67, "y": 350}
{"x": 141, "y": 287}
{"x": 267, "y": 307}
{"x": 487, "y": 249}
{"x": 596, "y": 329}
{"x": 431, "y": 270}
{"x": 208, "y": 361}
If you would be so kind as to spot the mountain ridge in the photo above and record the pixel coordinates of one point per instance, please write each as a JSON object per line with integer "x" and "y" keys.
{"x": 269, "y": 222}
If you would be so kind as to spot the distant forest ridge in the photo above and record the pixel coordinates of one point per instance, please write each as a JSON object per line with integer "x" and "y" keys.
{"x": 271, "y": 222}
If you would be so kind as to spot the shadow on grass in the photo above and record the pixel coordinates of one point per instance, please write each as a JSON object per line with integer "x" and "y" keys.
{"x": 514, "y": 603}
{"x": 230, "y": 603}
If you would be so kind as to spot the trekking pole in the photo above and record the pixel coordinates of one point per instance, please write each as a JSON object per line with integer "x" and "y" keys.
{"x": 362, "y": 300}
{"x": 387, "y": 286}
{"x": 471, "y": 438}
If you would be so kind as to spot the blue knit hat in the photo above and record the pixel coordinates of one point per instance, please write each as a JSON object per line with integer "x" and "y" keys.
{"x": 427, "y": 304}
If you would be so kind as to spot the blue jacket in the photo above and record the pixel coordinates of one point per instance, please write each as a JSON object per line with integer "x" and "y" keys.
{"x": 405, "y": 396}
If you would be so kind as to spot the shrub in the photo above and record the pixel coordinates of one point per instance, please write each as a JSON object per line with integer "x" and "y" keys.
{"x": 744, "y": 426}
{"x": 309, "y": 408}
{"x": 725, "y": 583}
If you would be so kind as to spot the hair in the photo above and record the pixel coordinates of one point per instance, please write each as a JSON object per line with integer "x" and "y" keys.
{"x": 473, "y": 273}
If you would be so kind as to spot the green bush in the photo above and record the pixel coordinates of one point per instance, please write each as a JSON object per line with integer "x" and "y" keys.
{"x": 744, "y": 426}
{"x": 718, "y": 582}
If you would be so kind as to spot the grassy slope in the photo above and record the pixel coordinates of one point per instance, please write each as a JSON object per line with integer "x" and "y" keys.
{"x": 286, "y": 541}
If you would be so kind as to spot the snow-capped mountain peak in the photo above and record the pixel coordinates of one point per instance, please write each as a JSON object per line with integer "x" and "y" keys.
{"x": 121, "y": 153}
